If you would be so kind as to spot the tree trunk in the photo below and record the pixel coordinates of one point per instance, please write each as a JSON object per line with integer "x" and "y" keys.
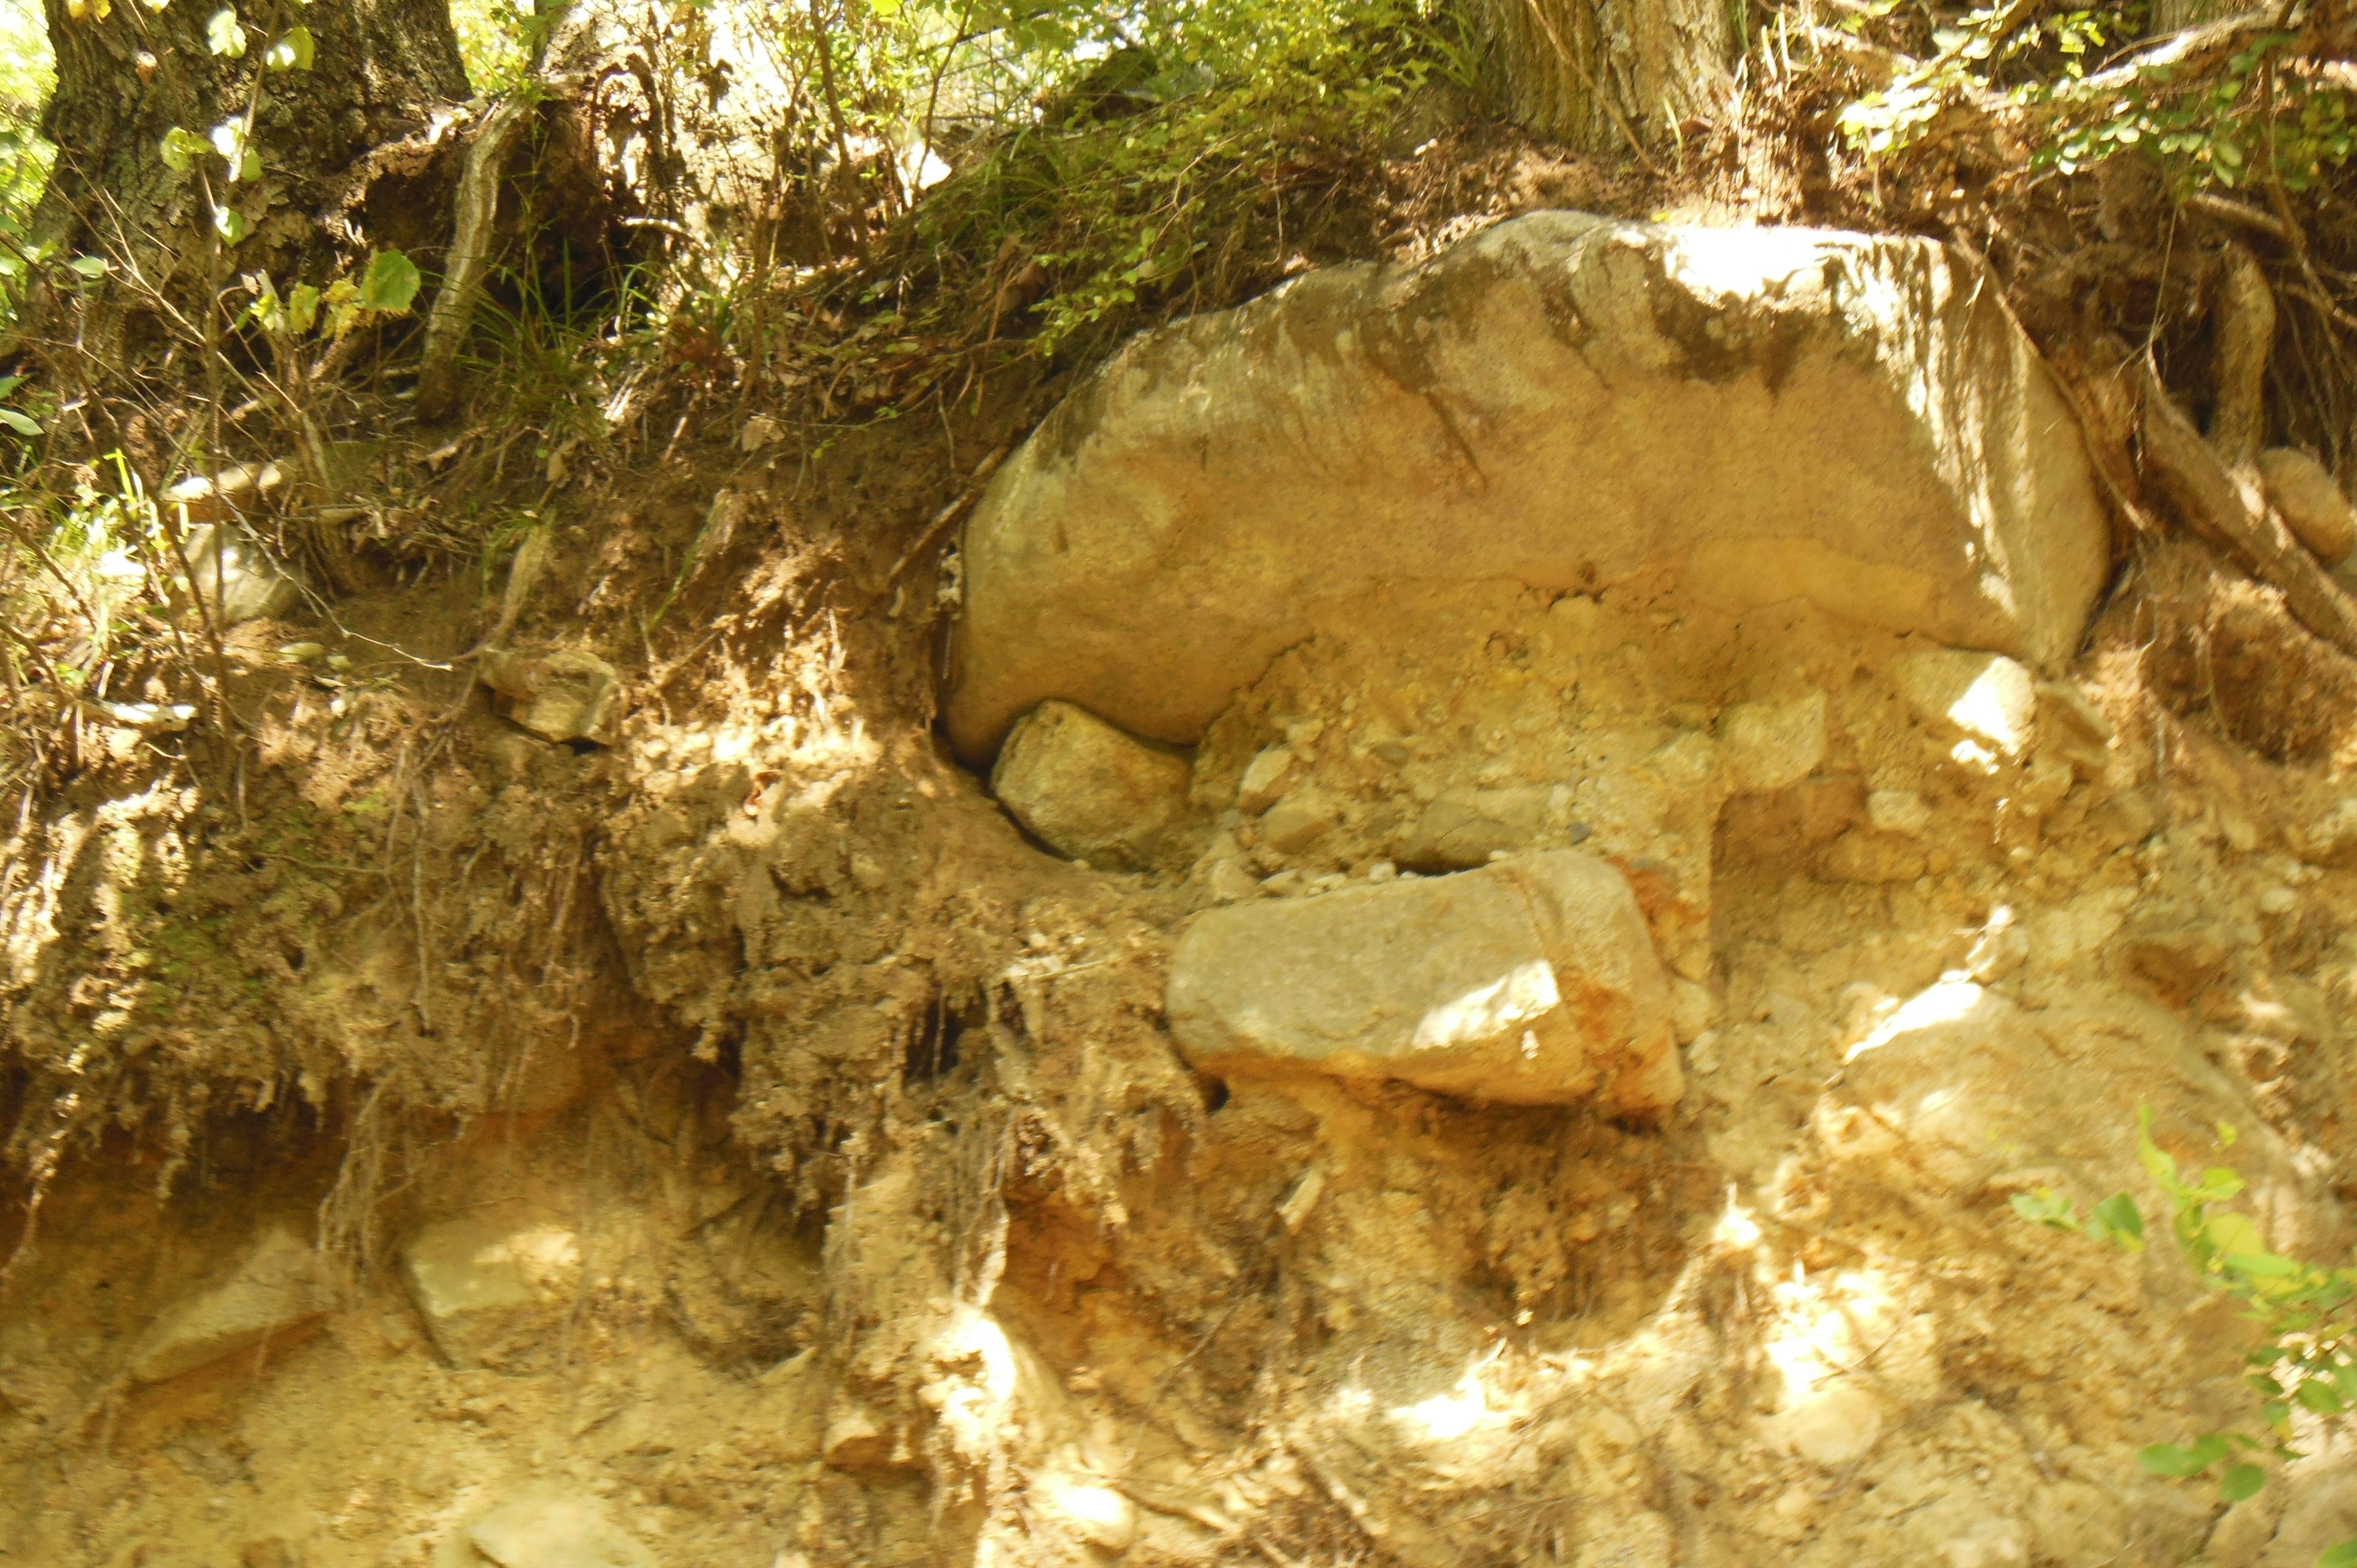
{"x": 1607, "y": 75}
{"x": 129, "y": 76}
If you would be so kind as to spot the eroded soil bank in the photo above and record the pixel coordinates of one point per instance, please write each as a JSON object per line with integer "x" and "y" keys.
{"x": 733, "y": 1138}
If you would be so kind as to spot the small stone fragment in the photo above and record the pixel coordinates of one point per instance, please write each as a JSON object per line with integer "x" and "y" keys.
{"x": 2073, "y": 728}
{"x": 545, "y": 1528}
{"x": 563, "y": 696}
{"x": 277, "y": 1290}
{"x": 1297, "y": 821}
{"x": 2311, "y": 503}
{"x": 857, "y": 1439}
{"x": 234, "y": 577}
{"x": 1898, "y": 811}
{"x": 492, "y": 1289}
{"x": 1099, "y": 1516}
{"x": 2126, "y": 819}
{"x": 1464, "y": 828}
{"x": 1832, "y": 1427}
{"x": 1774, "y": 746}
{"x": 1987, "y": 696}
{"x": 1263, "y": 779}
{"x": 1866, "y": 857}
{"x": 1532, "y": 981}
{"x": 2331, "y": 839}
{"x": 1088, "y": 791}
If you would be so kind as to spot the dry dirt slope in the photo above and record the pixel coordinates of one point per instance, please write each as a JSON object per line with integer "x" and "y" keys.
{"x": 741, "y": 1143}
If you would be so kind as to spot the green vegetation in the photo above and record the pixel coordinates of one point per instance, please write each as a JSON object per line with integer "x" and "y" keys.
{"x": 2305, "y": 1315}
{"x": 27, "y": 79}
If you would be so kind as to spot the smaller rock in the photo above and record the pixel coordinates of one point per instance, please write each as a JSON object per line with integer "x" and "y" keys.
{"x": 1831, "y": 1426}
{"x": 2311, "y": 503}
{"x": 234, "y": 577}
{"x": 276, "y": 1290}
{"x": 546, "y": 1528}
{"x": 1087, "y": 790}
{"x": 2331, "y": 839}
{"x": 1987, "y": 696}
{"x": 1465, "y": 828}
{"x": 563, "y": 696}
{"x": 1099, "y": 1516}
{"x": 857, "y": 1439}
{"x": 1865, "y": 856}
{"x": 1898, "y": 811}
{"x": 2124, "y": 820}
{"x": 1298, "y": 820}
{"x": 1774, "y": 746}
{"x": 492, "y": 1289}
{"x": 1263, "y": 779}
{"x": 2073, "y": 728}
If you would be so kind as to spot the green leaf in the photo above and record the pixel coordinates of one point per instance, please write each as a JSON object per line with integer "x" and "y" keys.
{"x": 291, "y": 52}
{"x": 389, "y": 283}
{"x": 224, "y": 35}
{"x": 23, "y": 424}
{"x": 92, "y": 267}
{"x": 2168, "y": 1459}
{"x": 230, "y": 224}
{"x": 2320, "y": 1397}
{"x": 9, "y": 384}
{"x": 2342, "y": 1556}
{"x": 181, "y": 148}
{"x": 2242, "y": 1481}
{"x": 2117, "y": 1220}
{"x": 302, "y": 307}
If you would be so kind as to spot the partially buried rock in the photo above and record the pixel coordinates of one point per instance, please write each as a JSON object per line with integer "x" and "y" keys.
{"x": 1467, "y": 827}
{"x": 547, "y": 1528}
{"x": 1086, "y": 789}
{"x": 562, "y": 696}
{"x": 1772, "y": 745}
{"x": 1989, "y": 697}
{"x": 492, "y": 1289}
{"x": 2309, "y": 503}
{"x": 1532, "y": 981}
{"x": 278, "y": 1291}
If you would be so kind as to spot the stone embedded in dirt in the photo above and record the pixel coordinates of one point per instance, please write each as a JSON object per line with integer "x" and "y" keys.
{"x": 859, "y": 1439}
{"x": 2073, "y": 728}
{"x": 1100, "y": 1515}
{"x": 1831, "y": 1426}
{"x": 1563, "y": 401}
{"x": 1898, "y": 811}
{"x": 234, "y": 577}
{"x": 1263, "y": 779}
{"x": 492, "y": 1289}
{"x": 1300, "y": 821}
{"x": 278, "y": 1290}
{"x": 2331, "y": 839}
{"x": 562, "y": 696}
{"x": 1465, "y": 828}
{"x": 1087, "y": 790}
{"x": 2310, "y": 501}
{"x": 1989, "y": 698}
{"x": 1772, "y": 745}
{"x": 1872, "y": 856}
{"x": 546, "y": 1528}
{"x": 1532, "y": 981}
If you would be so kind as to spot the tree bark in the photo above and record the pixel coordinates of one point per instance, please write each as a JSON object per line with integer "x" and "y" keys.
{"x": 1607, "y": 75}
{"x": 125, "y": 78}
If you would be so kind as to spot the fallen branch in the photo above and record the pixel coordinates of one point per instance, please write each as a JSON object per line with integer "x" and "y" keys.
{"x": 2228, "y": 508}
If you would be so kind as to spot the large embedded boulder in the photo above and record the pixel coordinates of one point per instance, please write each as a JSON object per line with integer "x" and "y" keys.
{"x": 1532, "y": 981}
{"x": 1565, "y": 401}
